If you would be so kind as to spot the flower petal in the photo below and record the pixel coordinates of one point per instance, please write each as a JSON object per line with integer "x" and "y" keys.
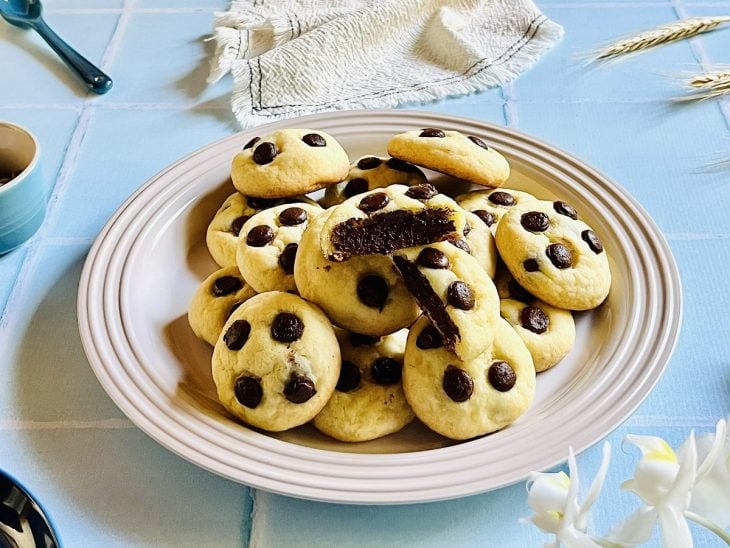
{"x": 548, "y": 492}
{"x": 636, "y": 529}
{"x": 581, "y": 520}
{"x": 711, "y": 493}
{"x": 653, "y": 448}
{"x": 675, "y": 530}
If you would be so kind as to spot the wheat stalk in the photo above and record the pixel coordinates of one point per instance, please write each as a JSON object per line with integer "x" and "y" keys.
{"x": 664, "y": 34}
{"x": 708, "y": 85}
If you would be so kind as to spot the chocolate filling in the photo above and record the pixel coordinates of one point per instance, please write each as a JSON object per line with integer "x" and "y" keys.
{"x": 384, "y": 233}
{"x": 432, "y": 305}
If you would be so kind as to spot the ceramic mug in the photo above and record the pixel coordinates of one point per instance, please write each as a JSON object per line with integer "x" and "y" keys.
{"x": 22, "y": 195}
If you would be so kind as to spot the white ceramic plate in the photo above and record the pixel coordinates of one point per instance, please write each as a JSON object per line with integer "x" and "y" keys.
{"x": 144, "y": 267}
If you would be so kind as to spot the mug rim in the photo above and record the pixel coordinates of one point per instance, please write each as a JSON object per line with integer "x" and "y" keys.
{"x": 33, "y": 162}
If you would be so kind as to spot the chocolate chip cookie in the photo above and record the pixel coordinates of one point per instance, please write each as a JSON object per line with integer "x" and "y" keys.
{"x": 491, "y": 205}
{"x": 554, "y": 255}
{"x": 368, "y": 401}
{"x": 387, "y": 219}
{"x": 462, "y": 399}
{"x": 454, "y": 292}
{"x": 479, "y": 243}
{"x": 467, "y": 157}
{"x": 276, "y": 362}
{"x": 269, "y": 243}
{"x": 371, "y": 172}
{"x": 289, "y": 162}
{"x": 548, "y": 332}
{"x": 222, "y": 234}
{"x": 215, "y": 300}
{"x": 363, "y": 294}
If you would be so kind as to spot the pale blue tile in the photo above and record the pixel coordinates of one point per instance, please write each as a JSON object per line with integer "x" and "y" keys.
{"x": 44, "y": 78}
{"x": 119, "y": 488}
{"x": 50, "y": 5}
{"x": 10, "y": 264}
{"x": 561, "y": 75}
{"x": 121, "y": 150}
{"x": 697, "y": 380}
{"x": 163, "y": 58}
{"x": 714, "y": 44}
{"x": 52, "y": 128}
{"x": 46, "y": 376}
{"x": 487, "y": 106}
{"x": 654, "y": 150}
{"x": 218, "y": 5}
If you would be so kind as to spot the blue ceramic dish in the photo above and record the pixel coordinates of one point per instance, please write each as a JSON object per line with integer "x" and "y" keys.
{"x": 23, "y": 521}
{"x": 22, "y": 198}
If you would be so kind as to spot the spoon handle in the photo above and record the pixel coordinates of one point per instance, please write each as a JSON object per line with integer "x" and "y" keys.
{"x": 95, "y": 79}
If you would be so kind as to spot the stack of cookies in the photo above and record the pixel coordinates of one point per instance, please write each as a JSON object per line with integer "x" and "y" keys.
{"x": 390, "y": 300}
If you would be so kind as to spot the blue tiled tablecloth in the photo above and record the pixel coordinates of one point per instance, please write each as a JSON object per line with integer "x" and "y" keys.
{"x": 108, "y": 484}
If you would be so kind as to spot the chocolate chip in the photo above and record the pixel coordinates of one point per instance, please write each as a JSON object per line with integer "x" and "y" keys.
{"x": 460, "y": 296}
{"x": 237, "y": 334}
{"x": 225, "y": 285}
{"x": 314, "y": 140}
{"x": 386, "y": 371}
{"x": 400, "y": 165}
{"x": 534, "y": 319}
{"x": 299, "y": 389}
{"x": 287, "y": 258}
{"x": 373, "y": 291}
{"x": 457, "y": 384}
{"x": 369, "y": 162}
{"x": 233, "y": 308}
{"x": 260, "y": 203}
{"x": 430, "y": 257}
{"x": 593, "y": 241}
{"x": 559, "y": 255}
{"x": 461, "y": 244}
{"x": 432, "y": 132}
{"x": 535, "y": 221}
{"x": 374, "y": 202}
{"x": 259, "y": 236}
{"x": 502, "y": 198}
{"x": 349, "y": 377}
{"x": 265, "y": 153}
{"x": 251, "y": 143}
{"x": 423, "y": 191}
{"x": 429, "y": 338}
{"x": 286, "y": 327}
{"x": 478, "y": 142}
{"x": 292, "y": 216}
{"x": 517, "y": 292}
{"x": 565, "y": 209}
{"x": 485, "y": 216}
{"x": 501, "y": 376}
{"x": 357, "y": 339}
{"x": 248, "y": 391}
{"x": 531, "y": 265}
{"x": 238, "y": 223}
{"x": 355, "y": 186}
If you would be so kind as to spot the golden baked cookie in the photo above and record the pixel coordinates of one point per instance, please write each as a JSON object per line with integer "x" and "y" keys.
{"x": 215, "y": 300}
{"x": 548, "y": 332}
{"x": 463, "y": 399}
{"x": 289, "y": 162}
{"x": 368, "y": 401}
{"x": 363, "y": 294}
{"x": 276, "y": 362}
{"x": 466, "y": 157}
{"x": 371, "y": 172}
{"x": 554, "y": 255}
{"x": 491, "y": 205}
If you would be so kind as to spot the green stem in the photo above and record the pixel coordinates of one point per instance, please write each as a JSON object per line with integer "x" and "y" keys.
{"x": 724, "y": 535}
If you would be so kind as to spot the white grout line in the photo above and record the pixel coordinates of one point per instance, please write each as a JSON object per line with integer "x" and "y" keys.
{"x": 105, "y": 11}
{"x": 699, "y": 53}
{"x": 104, "y": 424}
{"x": 510, "y": 105}
{"x": 116, "y": 106}
{"x": 568, "y": 5}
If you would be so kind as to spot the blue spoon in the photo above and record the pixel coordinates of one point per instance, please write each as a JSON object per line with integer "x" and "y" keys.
{"x": 27, "y": 14}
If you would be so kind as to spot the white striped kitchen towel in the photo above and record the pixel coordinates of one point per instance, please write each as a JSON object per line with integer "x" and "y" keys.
{"x": 295, "y": 57}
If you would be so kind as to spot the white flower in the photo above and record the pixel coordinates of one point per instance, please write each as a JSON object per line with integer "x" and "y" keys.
{"x": 675, "y": 488}
{"x": 711, "y": 493}
{"x": 554, "y": 499}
